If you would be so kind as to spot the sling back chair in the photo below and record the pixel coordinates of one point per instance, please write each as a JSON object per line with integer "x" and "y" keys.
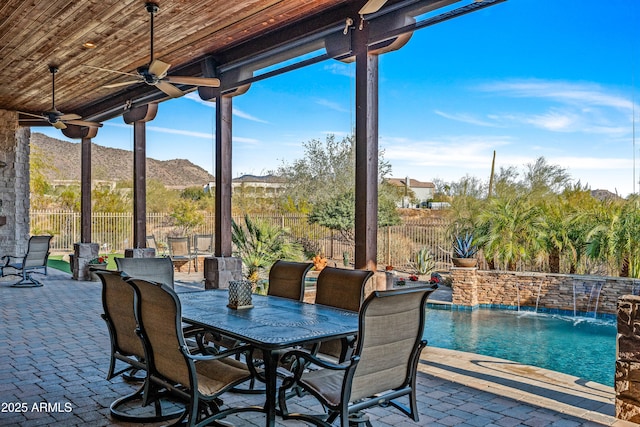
{"x": 286, "y": 279}
{"x": 203, "y": 245}
{"x": 345, "y": 289}
{"x": 126, "y": 346}
{"x": 35, "y": 259}
{"x": 180, "y": 250}
{"x": 382, "y": 368}
{"x": 152, "y": 269}
{"x": 199, "y": 380}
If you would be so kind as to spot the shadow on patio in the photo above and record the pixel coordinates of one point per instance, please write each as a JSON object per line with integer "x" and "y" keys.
{"x": 55, "y": 352}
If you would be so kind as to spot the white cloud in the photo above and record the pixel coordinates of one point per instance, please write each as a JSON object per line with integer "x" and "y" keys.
{"x": 332, "y": 105}
{"x": 582, "y": 94}
{"x": 465, "y": 118}
{"x": 193, "y": 96}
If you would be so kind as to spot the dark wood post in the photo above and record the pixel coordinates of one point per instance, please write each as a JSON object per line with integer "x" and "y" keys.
{"x": 138, "y": 116}
{"x": 366, "y": 221}
{"x": 224, "y": 176}
{"x": 86, "y": 134}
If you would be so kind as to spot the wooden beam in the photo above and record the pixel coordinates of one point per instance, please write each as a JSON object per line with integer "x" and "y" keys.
{"x": 139, "y": 116}
{"x": 223, "y": 243}
{"x": 366, "y": 220}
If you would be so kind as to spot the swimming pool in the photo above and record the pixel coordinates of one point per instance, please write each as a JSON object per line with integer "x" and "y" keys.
{"x": 582, "y": 347}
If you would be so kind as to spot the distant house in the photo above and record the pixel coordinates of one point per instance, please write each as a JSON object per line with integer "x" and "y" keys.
{"x": 266, "y": 185}
{"x": 423, "y": 191}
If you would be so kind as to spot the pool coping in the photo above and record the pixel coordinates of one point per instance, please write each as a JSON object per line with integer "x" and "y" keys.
{"x": 553, "y": 390}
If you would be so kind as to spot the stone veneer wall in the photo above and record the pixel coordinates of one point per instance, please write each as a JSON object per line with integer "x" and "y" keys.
{"x": 472, "y": 288}
{"x": 14, "y": 184}
{"x": 627, "y": 377}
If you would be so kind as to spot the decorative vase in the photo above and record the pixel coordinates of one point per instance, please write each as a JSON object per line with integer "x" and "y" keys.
{"x": 464, "y": 262}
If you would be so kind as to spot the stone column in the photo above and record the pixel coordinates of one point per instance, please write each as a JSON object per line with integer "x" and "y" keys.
{"x": 627, "y": 377}
{"x": 82, "y": 254}
{"x": 14, "y": 184}
{"x": 218, "y": 271}
{"x": 464, "y": 286}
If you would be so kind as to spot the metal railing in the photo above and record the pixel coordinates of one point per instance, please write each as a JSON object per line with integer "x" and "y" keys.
{"x": 397, "y": 245}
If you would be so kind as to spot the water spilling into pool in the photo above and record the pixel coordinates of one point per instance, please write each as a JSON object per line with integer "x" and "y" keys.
{"x": 582, "y": 347}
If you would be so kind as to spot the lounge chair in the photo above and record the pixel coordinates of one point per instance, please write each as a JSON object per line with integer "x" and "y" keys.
{"x": 35, "y": 259}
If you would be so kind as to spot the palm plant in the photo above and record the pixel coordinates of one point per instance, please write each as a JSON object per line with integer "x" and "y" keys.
{"x": 513, "y": 232}
{"x": 259, "y": 244}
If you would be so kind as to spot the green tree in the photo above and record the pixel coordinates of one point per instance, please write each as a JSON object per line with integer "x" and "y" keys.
{"x": 186, "y": 216}
{"x": 326, "y": 171}
{"x": 39, "y": 165}
{"x": 106, "y": 199}
{"x": 339, "y": 214}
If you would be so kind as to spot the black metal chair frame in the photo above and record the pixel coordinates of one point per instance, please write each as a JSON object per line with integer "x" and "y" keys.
{"x": 202, "y": 409}
{"x": 134, "y": 363}
{"x": 345, "y": 408}
{"x": 29, "y": 263}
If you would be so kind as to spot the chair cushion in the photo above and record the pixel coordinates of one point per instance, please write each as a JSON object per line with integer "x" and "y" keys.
{"x": 215, "y": 375}
{"x": 325, "y": 382}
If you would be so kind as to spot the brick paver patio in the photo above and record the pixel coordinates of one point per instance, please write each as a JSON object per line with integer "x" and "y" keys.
{"x": 54, "y": 354}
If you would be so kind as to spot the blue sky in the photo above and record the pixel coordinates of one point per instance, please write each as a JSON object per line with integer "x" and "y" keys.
{"x": 526, "y": 78}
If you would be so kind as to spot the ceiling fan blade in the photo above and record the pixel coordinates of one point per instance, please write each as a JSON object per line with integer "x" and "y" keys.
{"x": 69, "y": 117}
{"x": 169, "y": 89}
{"x": 194, "y": 81}
{"x": 372, "y": 6}
{"x": 130, "y": 82}
{"x": 59, "y": 125}
{"x": 39, "y": 116}
{"x": 110, "y": 71}
{"x": 159, "y": 68}
{"x": 84, "y": 123}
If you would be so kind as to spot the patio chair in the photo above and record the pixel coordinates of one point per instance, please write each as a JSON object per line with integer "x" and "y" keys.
{"x": 180, "y": 251}
{"x": 200, "y": 380}
{"x": 153, "y": 269}
{"x": 340, "y": 288}
{"x": 286, "y": 279}
{"x": 35, "y": 259}
{"x": 151, "y": 243}
{"x": 126, "y": 347}
{"x": 202, "y": 246}
{"x": 382, "y": 369}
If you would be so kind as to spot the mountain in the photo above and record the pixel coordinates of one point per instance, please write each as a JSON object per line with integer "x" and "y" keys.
{"x": 113, "y": 164}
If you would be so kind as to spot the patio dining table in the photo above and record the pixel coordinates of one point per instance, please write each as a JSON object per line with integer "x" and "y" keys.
{"x": 271, "y": 325}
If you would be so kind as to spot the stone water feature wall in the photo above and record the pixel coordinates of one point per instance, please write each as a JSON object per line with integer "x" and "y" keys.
{"x": 550, "y": 292}
{"x": 14, "y": 184}
{"x": 627, "y": 377}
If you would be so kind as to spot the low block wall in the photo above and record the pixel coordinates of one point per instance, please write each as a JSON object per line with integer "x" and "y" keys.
{"x": 550, "y": 292}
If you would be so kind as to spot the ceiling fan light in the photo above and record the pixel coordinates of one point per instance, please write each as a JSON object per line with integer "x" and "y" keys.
{"x": 89, "y": 45}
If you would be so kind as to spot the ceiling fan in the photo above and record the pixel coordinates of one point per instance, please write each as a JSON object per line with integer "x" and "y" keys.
{"x": 56, "y": 118}
{"x": 155, "y": 73}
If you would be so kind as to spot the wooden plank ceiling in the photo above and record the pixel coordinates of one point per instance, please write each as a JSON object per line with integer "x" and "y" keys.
{"x": 35, "y": 34}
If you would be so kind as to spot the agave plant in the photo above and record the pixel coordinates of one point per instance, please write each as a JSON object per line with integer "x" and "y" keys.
{"x": 464, "y": 247}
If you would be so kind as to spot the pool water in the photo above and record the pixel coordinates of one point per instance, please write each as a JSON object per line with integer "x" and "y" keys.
{"x": 585, "y": 348}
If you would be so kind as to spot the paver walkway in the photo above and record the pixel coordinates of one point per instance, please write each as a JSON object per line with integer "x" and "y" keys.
{"x": 54, "y": 353}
